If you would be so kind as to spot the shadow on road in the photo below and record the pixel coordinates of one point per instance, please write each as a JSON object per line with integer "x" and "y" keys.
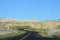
{"x": 18, "y": 37}
{"x": 47, "y": 38}
{"x": 33, "y": 36}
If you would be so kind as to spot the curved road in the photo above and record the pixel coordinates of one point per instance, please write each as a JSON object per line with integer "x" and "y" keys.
{"x": 30, "y": 35}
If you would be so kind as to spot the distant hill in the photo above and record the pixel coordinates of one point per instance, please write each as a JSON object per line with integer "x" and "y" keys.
{"x": 51, "y": 24}
{"x": 10, "y": 22}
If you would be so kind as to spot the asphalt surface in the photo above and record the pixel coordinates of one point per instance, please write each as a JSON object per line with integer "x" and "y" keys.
{"x": 30, "y": 35}
{"x": 33, "y": 36}
{"x": 36, "y": 36}
{"x": 18, "y": 37}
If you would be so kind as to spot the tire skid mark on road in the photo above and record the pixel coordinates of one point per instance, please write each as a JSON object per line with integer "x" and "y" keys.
{"x": 25, "y": 36}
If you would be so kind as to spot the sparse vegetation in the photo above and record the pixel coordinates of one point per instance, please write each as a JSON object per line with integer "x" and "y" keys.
{"x": 11, "y": 34}
{"x": 52, "y": 33}
{"x": 43, "y": 28}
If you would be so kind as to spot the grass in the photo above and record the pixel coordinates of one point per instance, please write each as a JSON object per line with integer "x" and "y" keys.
{"x": 12, "y": 34}
{"x": 44, "y": 34}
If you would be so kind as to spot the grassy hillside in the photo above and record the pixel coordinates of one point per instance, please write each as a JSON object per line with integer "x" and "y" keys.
{"x": 11, "y": 23}
{"x": 45, "y": 28}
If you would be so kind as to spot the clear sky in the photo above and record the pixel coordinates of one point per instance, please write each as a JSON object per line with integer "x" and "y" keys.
{"x": 30, "y": 9}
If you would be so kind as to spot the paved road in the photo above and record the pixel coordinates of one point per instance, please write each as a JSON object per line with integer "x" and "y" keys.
{"x": 33, "y": 36}
{"x": 18, "y": 37}
{"x": 30, "y": 35}
{"x": 36, "y": 36}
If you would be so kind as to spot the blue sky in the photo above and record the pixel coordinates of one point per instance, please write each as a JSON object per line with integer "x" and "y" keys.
{"x": 30, "y": 9}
